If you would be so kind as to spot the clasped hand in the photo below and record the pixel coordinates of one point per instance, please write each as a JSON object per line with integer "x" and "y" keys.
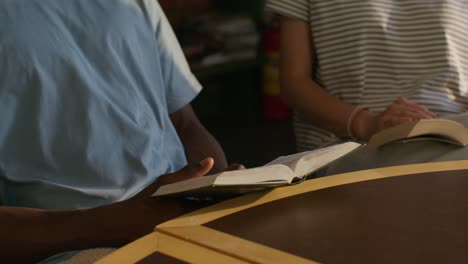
{"x": 400, "y": 111}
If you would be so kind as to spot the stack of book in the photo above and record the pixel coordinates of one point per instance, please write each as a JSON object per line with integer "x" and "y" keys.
{"x": 217, "y": 39}
{"x": 239, "y": 37}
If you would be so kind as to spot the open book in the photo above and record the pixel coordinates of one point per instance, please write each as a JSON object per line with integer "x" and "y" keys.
{"x": 426, "y": 129}
{"x": 281, "y": 171}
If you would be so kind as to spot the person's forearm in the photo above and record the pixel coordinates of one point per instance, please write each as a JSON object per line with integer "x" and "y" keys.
{"x": 297, "y": 87}
{"x": 30, "y": 235}
{"x": 316, "y": 105}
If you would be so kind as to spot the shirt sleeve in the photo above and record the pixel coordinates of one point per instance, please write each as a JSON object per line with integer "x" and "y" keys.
{"x": 296, "y": 9}
{"x": 180, "y": 83}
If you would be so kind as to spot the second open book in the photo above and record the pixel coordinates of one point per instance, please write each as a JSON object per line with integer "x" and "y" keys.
{"x": 281, "y": 171}
{"x": 446, "y": 130}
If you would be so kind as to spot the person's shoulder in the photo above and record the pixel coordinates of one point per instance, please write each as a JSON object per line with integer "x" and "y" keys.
{"x": 295, "y": 9}
{"x": 151, "y": 7}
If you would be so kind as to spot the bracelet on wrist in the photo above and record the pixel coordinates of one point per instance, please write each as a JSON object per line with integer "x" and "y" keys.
{"x": 349, "y": 124}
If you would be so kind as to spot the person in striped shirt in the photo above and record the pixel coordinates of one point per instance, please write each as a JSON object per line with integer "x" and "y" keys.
{"x": 351, "y": 68}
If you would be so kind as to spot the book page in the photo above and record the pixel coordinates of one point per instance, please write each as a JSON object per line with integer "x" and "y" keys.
{"x": 290, "y": 160}
{"x": 430, "y": 137}
{"x": 276, "y": 173}
{"x": 314, "y": 161}
{"x": 281, "y": 171}
{"x": 307, "y": 162}
{"x": 430, "y": 128}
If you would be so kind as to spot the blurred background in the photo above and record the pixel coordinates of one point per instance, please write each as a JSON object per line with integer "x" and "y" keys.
{"x": 232, "y": 48}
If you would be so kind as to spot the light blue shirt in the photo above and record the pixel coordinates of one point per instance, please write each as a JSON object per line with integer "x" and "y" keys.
{"x": 85, "y": 92}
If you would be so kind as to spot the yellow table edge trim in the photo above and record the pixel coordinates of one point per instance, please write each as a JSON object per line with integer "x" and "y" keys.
{"x": 168, "y": 245}
{"x": 223, "y": 243}
{"x": 228, "y": 207}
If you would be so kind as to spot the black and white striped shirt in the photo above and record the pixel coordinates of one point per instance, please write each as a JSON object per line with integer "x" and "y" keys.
{"x": 370, "y": 52}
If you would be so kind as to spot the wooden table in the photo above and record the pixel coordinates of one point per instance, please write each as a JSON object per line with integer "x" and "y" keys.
{"x": 404, "y": 214}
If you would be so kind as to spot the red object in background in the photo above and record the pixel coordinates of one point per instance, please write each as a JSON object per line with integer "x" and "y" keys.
{"x": 271, "y": 40}
{"x": 274, "y": 109}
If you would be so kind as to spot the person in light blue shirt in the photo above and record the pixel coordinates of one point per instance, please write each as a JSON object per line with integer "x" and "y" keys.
{"x": 95, "y": 107}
